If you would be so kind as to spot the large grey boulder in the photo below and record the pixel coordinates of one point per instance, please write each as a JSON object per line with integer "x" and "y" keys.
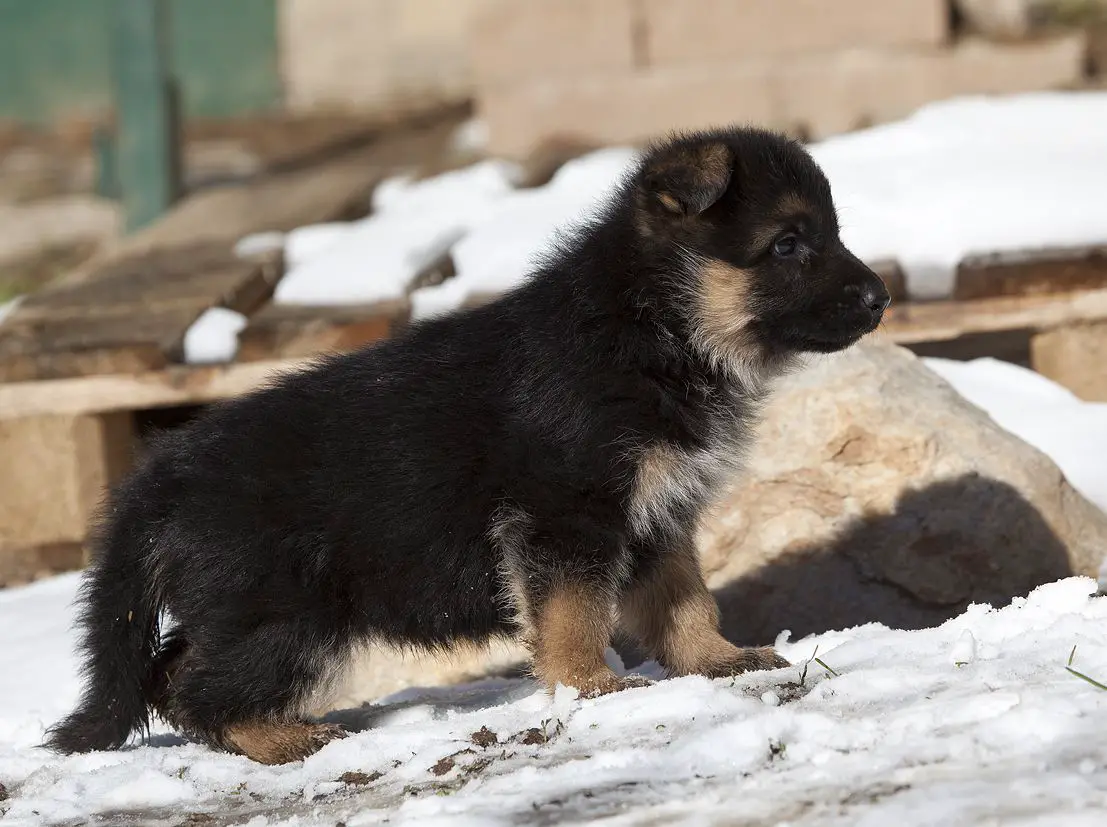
{"x": 875, "y": 493}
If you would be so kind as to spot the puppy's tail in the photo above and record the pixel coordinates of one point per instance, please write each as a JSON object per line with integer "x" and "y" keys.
{"x": 119, "y": 616}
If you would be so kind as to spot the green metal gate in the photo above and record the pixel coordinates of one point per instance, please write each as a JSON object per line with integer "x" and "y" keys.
{"x": 56, "y": 58}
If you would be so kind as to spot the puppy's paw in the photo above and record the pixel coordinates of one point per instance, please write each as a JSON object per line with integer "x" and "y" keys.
{"x": 272, "y": 742}
{"x": 746, "y": 660}
{"x": 606, "y": 683}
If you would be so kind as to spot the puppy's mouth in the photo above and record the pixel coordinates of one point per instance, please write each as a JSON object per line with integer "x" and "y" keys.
{"x": 827, "y": 342}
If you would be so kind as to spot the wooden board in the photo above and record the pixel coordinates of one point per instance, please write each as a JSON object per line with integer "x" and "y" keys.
{"x": 128, "y": 310}
{"x": 133, "y": 315}
{"x": 287, "y": 332}
{"x": 911, "y": 322}
{"x": 1032, "y": 272}
{"x": 906, "y": 323}
{"x": 171, "y": 387}
{"x": 1074, "y": 356}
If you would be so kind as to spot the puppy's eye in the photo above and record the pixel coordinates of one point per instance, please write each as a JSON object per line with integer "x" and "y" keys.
{"x": 785, "y": 246}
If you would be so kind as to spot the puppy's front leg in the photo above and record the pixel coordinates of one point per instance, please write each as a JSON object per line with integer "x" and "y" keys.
{"x": 674, "y": 616}
{"x": 573, "y": 622}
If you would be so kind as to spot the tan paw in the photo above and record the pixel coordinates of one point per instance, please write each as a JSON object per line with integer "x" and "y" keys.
{"x": 613, "y": 683}
{"x": 269, "y": 742}
{"x": 603, "y": 683}
{"x": 745, "y": 660}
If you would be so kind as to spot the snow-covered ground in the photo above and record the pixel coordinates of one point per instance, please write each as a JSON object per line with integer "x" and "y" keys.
{"x": 977, "y": 721}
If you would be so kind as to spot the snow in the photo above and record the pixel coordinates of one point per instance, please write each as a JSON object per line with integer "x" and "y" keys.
{"x": 378, "y": 257}
{"x": 213, "y": 337}
{"x": 972, "y": 175}
{"x": 494, "y": 255}
{"x": 958, "y": 177}
{"x": 1072, "y": 432}
{"x": 976, "y": 721}
{"x": 260, "y": 243}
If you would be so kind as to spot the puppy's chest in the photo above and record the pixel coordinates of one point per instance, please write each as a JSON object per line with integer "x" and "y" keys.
{"x": 673, "y": 483}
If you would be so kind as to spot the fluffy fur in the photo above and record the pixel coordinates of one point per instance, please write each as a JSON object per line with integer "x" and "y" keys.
{"x": 532, "y": 467}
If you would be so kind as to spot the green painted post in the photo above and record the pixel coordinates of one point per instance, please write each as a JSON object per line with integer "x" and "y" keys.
{"x": 147, "y": 149}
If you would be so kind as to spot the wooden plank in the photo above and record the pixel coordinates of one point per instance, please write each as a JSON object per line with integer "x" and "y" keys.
{"x": 55, "y": 471}
{"x": 1032, "y": 272}
{"x": 148, "y": 288}
{"x": 172, "y": 387}
{"x": 288, "y": 332}
{"x": 905, "y": 323}
{"x": 942, "y": 320}
{"x": 1074, "y": 356}
{"x": 132, "y": 316}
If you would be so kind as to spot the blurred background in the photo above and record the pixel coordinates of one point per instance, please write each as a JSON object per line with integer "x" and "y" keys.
{"x": 196, "y": 192}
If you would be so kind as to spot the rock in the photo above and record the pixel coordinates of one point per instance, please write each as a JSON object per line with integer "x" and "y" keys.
{"x": 875, "y": 493}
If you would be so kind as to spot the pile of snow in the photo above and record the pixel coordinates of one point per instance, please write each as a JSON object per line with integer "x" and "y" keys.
{"x": 495, "y": 254}
{"x": 972, "y": 175}
{"x": 976, "y": 721}
{"x": 378, "y": 257}
{"x": 963, "y": 176}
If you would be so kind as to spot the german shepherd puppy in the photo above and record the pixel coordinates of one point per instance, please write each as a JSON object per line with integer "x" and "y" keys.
{"x": 534, "y": 467}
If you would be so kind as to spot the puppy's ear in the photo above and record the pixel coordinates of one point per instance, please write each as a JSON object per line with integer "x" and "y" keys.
{"x": 685, "y": 180}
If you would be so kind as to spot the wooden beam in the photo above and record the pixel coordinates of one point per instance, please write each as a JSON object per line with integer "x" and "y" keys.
{"x": 906, "y": 323}
{"x": 157, "y": 389}
{"x": 937, "y": 321}
{"x": 1046, "y": 270}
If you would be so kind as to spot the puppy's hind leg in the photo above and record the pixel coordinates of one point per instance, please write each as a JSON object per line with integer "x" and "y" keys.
{"x": 248, "y": 693}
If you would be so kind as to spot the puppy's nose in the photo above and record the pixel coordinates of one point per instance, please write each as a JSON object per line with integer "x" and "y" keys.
{"x": 875, "y": 297}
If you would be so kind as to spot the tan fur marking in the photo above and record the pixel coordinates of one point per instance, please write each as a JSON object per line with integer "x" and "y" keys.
{"x": 666, "y": 477}
{"x": 271, "y": 742}
{"x": 675, "y": 617}
{"x": 668, "y": 202}
{"x": 574, "y": 627}
{"x": 508, "y": 533}
{"x": 791, "y": 205}
{"x": 764, "y": 235}
{"x": 723, "y": 332}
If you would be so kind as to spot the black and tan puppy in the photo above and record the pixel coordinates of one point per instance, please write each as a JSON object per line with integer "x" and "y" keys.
{"x": 533, "y": 467}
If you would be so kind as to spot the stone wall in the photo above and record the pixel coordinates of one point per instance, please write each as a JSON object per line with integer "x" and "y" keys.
{"x": 603, "y": 71}
{"x": 375, "y": 55}
{"x": 607, "y": 71}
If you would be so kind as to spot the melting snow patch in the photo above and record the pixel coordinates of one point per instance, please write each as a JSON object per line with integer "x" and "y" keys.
{"x": 213, "y": 338}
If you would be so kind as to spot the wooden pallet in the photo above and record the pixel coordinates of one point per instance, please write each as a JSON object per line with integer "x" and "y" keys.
{"x": 122, "y": 318}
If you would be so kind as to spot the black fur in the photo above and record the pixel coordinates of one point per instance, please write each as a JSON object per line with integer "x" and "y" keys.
{"x": 376, "y": 495}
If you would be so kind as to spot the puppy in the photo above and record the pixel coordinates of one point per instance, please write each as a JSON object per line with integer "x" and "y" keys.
{"x": 532, "y": 467}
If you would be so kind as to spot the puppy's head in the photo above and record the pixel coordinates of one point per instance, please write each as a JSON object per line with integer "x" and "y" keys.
{"x": 747, "y": 221}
